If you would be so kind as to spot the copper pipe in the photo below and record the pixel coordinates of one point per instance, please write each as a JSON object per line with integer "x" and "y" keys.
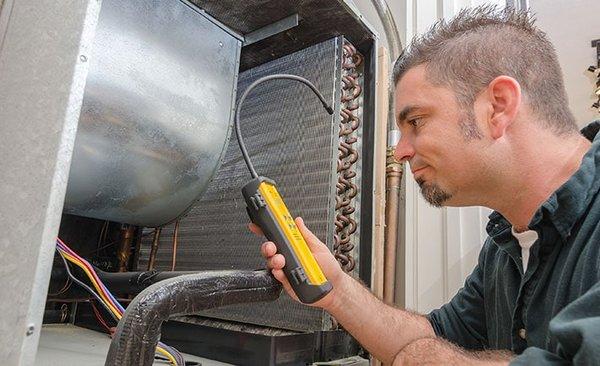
{"x": 102, "y": 236}
{"x": 154, "y": 249}
{"x": 393, "y": 174}
{"x": 135, "y": 262}
{"x": 174, "y": 254}
{"x": 345, "y": 225}
{"x": 124, "y": 251}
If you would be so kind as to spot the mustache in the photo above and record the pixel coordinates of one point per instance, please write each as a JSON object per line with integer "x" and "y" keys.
{"x": 416, "y": 164}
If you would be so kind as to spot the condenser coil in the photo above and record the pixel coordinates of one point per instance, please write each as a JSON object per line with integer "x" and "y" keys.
{"x": 295, "y": 142}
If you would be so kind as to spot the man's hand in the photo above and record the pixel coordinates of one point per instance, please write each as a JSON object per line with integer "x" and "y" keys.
{"x": 381, "y": 329}
{"x": 323, "y": 256}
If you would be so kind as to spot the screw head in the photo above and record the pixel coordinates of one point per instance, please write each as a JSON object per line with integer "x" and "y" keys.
{"x": 220, "y": 44}
{"x": 30, "y": 329}
{"x": 83, "y": 58}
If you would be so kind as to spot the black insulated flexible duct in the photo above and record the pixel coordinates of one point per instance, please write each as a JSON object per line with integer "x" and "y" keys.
{"x": 138, "y": 331}
{"x": 136, "y": 282}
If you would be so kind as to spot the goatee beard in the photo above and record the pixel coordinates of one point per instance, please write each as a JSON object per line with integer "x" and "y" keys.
{"x": 433, "y": 193}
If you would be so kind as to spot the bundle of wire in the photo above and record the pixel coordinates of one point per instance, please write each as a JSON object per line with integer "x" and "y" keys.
{"x": 104, "y": 296}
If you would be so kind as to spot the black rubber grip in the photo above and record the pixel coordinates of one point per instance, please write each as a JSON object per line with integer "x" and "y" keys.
{"x": 263, "y": 215}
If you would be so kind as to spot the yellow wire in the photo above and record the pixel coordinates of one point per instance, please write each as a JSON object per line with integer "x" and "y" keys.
{"x": 75, "y": 261}
{"x": 166, "y": 354}
{"x": 115, "y": 311}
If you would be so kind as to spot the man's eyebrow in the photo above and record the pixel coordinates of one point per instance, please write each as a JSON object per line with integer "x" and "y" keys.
{"x": 405, "y": 112}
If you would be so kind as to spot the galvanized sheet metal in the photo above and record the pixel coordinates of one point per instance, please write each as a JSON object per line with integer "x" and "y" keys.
{"x": 156, "y": 113}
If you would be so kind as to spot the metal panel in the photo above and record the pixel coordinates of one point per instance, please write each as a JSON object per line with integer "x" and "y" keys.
{"x": 292, "y": 140}
{"x": 43, "y": 45}
{"x": 68, "y": 345}
{"x": 320, "y": 20}
{"x": 156, "y": 113}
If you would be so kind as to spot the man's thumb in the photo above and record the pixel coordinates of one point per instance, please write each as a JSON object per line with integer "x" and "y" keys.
{"x": 311, "y": 239}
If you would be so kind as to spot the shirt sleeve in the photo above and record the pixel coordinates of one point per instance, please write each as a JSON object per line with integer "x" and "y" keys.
{"x": 462, "y": 320}
{"x": 576, "y": 328}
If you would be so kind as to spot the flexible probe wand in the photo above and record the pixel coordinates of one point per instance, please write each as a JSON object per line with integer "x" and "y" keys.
{"x": 266, "y": 209}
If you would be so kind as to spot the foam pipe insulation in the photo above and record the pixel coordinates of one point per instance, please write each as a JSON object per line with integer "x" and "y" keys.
{"x": 136, "y": 282}
{"x": 138, "y": 331}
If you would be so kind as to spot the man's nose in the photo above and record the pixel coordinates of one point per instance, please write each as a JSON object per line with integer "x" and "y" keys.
{"x": 404, "y": 150}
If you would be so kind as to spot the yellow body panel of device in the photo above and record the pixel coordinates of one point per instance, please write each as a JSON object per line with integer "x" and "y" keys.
{"x": 291, "y": 231}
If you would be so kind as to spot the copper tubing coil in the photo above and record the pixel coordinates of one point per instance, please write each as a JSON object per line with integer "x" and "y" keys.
{"x": 353, "y": 58}
{"x": 348, "y": 154}
{"x": 174, "y": 252}
{"x": 344, "y": 173}
{"x": 345, "y": 149}
{"x": 348, "y": 210}
{"x": 347, "y": 97}
{"x": 348, "y": 128}
{"x": 347, "y": 262}
{"x": 346, "y": 190}
{"x": 345, "y": 131}
{"x": 347, "y": 224}
{"x": 341, "y": 203}
{"x": 349, "y": 118}
{"x": 154, "y": 248}
{"x": 127, "y": 234}
{"x": 351, "y": 85}
{"x": 344, "y": 247}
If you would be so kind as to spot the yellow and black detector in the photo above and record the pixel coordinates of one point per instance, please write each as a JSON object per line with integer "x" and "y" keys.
{"x": 267, "y": 209}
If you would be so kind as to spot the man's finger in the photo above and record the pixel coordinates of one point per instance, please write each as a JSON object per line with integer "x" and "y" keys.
{"x": 311, "y": 239}
{"x": 268, "y": 249}
{"x": 255, "y": 229}
{"x": 280, "y": 276}
{"x": 276, "y": 262}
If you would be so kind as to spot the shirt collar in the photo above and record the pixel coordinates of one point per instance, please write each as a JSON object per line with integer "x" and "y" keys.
{"x": 568, "y": 203}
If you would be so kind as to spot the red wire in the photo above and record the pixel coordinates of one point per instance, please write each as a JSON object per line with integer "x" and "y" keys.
{"x": 99, "y": 317}
{"x": 93, "y": 272}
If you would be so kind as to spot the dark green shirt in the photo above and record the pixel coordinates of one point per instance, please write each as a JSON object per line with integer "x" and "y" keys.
{"x": 551, "y": 313}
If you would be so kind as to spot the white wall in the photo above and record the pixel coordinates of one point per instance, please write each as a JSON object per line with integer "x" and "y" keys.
{"x": 571, "y": 25}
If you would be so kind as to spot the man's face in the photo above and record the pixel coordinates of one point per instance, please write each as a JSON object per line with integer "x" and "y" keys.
{"x": 439, "y": 139}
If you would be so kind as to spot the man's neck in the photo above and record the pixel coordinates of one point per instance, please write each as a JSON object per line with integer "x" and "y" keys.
{"x": 539, "y": 170}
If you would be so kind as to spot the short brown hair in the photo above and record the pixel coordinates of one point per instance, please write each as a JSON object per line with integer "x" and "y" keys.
{"x": 467, "y": 52}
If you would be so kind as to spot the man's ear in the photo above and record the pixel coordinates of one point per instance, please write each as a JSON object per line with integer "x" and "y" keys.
{"x": 504, "y": 96}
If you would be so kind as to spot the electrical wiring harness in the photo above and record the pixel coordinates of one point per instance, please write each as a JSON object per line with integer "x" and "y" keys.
{"x": 105, "y": 297}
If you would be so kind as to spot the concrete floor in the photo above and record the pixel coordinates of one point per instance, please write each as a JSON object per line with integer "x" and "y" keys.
{"x": 68, "y": 345}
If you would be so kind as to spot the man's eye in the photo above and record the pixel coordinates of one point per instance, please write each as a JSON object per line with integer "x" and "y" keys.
{"x": 415, "y": 122}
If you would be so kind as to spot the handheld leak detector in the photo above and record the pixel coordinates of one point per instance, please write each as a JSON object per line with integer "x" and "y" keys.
{"x": 266, "y": 209}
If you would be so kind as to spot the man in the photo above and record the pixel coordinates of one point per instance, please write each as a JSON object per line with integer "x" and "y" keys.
{"x": 484, "y": 119}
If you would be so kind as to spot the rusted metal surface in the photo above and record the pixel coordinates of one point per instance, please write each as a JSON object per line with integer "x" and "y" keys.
{"x": 345, "y": 224}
